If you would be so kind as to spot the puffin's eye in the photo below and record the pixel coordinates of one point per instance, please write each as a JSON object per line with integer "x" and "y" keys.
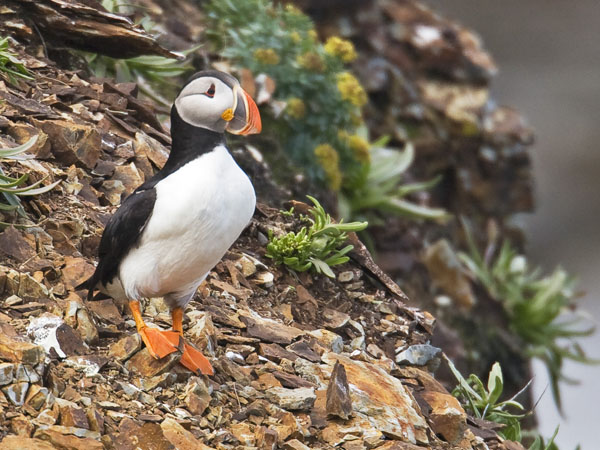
{"x": 211, "y": 91}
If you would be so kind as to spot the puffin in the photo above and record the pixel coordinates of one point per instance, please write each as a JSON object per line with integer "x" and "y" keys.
{"x": 173, "y": 229}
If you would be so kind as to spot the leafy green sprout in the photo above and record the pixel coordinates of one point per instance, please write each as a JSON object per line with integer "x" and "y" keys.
{"x": 537, "y": 306}
{"x": 317, "y": 247}
{"x": 13, "y": 188}
{"x": 379, "y": 187}
{"x": 483, "y": 402}
{"x": 10, "y": 65}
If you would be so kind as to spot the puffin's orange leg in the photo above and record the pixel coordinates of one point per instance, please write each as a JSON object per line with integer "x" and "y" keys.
{"x": 159, "y": 343}
{"x": 192, "y": 358}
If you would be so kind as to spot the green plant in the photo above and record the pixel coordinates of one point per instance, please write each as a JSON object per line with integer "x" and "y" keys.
{"x": 12, "y": 188}
{"x": 379, "y": 188}
{"x": 316, "y": 247}
{"x": 320, "y": 100}
{"x": 10, "y": 65}
{"x": 537, "y": 306}
{"x": 483, "y": 402}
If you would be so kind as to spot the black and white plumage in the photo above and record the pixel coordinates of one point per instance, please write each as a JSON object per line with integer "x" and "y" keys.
{"x": 173, "y": 229}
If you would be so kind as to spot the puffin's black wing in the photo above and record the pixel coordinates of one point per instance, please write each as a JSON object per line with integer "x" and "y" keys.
{"x": 122, "y": 233}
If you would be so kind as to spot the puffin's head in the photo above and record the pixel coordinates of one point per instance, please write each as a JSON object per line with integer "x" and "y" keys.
{"x": 215, "y": 100}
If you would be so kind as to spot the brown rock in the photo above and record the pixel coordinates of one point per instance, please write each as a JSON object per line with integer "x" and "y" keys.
{"x": 424, "y": 378}
{"x": 36, "y": 396}
{"x": 148, "y": 436}
{"x": 15, "y": 246}
{"x": 71, "y": 416}
{"x": 72, "y": 143}
{"x": 113, "y": 189}
{"x": 95, "y": 420}
{"x": 20, "y": 351}
{"x": 335, "y": 319}
{"x": 397, "y": 445}
{"x": 151, "y": 148}
{"x": 289, "y": 380}
{"x": 125, "y": 347}
{"x": 266, "y": 438}
{"x": 70, "y": 342}
{"x": 383, "y": 399}
{"x": 295, "y": 444}
{"x": 106, "y": 311}
{"x": 338, "y": 393}
{"x": 130, "y": 176}
{"x": 270, "y": 330}
{"x": 144, "y": 364}
{"x": 21, "y": 426}
{"x": 298, "y": 399}
{"x": 7, "y": 371}
{"x": 275, "y": 352}
{"x": 267, "y": 380}
{"x": 243, "y": 433}
{"x": 447, "y": 417}
{"x": 197, "y": 397}
{"x": 181, "y": 438}
{"x": 67, "y": 441}
{"x": 76, "y": 271}
{"x": 304, "y": 350}
{"x": 22, "y": 443}
{"x": 328, "y": 339}
{"x": 202, "y": 333}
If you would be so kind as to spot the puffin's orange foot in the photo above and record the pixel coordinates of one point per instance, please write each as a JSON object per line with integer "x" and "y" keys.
{"x": 160, "y": 343}
{"x": 194, "y": 360}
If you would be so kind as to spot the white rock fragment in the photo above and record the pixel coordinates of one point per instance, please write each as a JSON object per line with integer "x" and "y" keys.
{"x": 43, "y": 332}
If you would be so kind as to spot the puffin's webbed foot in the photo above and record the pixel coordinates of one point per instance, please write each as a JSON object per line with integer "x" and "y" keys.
{"x": 159, "y": 343}
{"x": 192, "y": 358}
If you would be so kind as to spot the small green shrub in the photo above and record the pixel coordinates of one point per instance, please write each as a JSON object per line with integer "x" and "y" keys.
{"x": 10, "y": 65}
{"x": 12, "y": 188}
{"x": 537, "y": 307}
{"x": 317, "y": 247}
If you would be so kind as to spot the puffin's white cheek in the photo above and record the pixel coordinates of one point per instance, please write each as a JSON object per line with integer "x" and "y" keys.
{"x": 193, "y": 109}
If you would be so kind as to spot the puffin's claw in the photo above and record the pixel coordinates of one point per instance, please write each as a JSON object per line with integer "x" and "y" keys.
{"x": 195, "y": 361}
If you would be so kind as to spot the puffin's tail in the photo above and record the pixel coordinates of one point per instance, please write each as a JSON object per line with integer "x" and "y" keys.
{"x": 90, "y": 284}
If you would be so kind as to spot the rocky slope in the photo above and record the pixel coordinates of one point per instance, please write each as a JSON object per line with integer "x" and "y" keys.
{"x": 302, "y": 361}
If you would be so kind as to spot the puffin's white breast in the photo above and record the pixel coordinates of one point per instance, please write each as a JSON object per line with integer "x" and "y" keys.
{"x": 200, "y": 211}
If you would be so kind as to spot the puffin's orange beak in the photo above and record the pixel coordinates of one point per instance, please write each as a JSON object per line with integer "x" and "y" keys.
{"x": 246, "y": 118}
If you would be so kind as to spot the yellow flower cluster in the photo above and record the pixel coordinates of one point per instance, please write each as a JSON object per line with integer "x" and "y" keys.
{"x": 295, "y": 108}
{"x": 360, "y": 148}
{"x": 293, "y": 9}
{"x": 341, "y": 48}
{"x": 351, "y": 90}
{"x": 330, "y": 162}
{"x": 295, "y": 37}
{"x": 266, "y": 56}
{"x": 311, "y": 61}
